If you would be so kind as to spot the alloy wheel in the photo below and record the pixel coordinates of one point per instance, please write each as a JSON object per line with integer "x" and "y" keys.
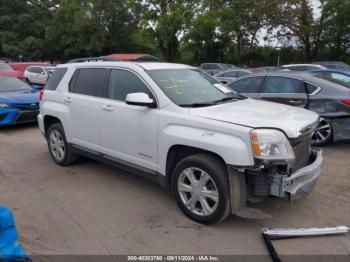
{"x": 322, "y": 133}
{"x": 198, "y": 191}
{"x": 57, "y": 145}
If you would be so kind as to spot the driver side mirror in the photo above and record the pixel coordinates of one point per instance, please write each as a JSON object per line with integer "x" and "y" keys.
{"x": 140, "y": 99}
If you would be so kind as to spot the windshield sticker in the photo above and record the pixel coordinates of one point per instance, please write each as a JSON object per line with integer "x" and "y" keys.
{"x": 223, "y": 88}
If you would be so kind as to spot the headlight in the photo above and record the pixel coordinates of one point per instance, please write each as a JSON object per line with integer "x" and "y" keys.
{"x": 4, "y": 105}
{"x": 270, "y": 144}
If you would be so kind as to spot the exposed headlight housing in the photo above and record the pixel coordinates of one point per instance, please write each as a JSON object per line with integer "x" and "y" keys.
{"x": 271, "y": 144}
{"x": 4, "y": 105}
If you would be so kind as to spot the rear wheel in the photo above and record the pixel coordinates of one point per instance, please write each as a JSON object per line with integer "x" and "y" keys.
{"x": 323, "y": 134}
{"x": 59, "y": 149}
{"x": 200, "y": 186}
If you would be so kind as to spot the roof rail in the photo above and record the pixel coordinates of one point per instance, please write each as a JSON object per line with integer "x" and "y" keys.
{"x": 92, "y": 59}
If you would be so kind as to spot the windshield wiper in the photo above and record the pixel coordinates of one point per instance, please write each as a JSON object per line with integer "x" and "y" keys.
{"x": 238, "y": 97}
{"x": 198, "y": 104}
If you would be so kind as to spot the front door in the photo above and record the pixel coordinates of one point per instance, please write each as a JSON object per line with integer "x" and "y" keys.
{"x": 128, "y": 132}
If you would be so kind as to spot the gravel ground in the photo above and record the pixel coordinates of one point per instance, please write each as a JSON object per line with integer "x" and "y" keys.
{"x": 91, "y": 208}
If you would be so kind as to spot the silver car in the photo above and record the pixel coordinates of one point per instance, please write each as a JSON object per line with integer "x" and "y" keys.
{"x": 230, "y": 75}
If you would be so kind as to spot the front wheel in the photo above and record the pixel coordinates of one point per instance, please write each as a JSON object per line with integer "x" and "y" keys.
{"x": 200, "y": 186}
{"x": 323, "y": 134}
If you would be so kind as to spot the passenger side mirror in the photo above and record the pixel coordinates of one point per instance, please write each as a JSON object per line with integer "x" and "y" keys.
{"x": 140, "y": 99}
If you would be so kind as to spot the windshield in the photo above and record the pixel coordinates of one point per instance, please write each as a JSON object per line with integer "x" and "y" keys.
{"x": 5, "y": 67}
{"x": 11, "y": 84}
{"x": 190, "y": 87}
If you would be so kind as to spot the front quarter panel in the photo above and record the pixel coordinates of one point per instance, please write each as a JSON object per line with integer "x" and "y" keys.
{"x": 231, "y": 142}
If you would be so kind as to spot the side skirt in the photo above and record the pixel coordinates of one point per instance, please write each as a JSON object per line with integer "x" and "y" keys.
{"x": 122, "y": 164}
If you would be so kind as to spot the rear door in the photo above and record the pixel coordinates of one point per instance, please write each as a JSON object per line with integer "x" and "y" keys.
{"x": 248, "y": 87}
{"x": 284, "y": 90}
{"x": 84, "y": 103}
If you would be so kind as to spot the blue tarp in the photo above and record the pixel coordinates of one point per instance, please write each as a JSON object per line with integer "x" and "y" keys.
{"x": 10, "y": 250}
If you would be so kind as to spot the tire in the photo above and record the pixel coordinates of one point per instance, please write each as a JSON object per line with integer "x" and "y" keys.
{"x": 28, "y": 82}
{"x": 65, "y": 156}
{"x": 203, "y": 209}
{"x": 324, "y": 133}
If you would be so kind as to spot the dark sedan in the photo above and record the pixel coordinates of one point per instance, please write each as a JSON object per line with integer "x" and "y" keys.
{"x": 331, "y": 101}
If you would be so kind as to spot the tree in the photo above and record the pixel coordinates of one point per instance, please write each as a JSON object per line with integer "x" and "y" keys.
{"x": 337, "y": 27}
{"x": 167, "y": 21}
{"x": 22, "y": 27}
{"x": 296, "y": 21}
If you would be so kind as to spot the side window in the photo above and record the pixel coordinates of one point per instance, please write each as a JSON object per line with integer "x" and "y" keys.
{"x": 311, "y": 88}
{"x": 89, "y": 81}
{"x": 55, "y": 78}
{"x": 276, "y": 84}
{"x": 123, "y": 82}
{"x": 248, "y": 85}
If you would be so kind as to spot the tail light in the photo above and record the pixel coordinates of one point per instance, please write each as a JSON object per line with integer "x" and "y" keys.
{"x": 41, "y": 94}
{"x": 346, "y": 102}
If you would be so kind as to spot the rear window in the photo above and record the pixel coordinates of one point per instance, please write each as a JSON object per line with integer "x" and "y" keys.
{"x": 88, "y": 81}
{"x": 55, "y": 78}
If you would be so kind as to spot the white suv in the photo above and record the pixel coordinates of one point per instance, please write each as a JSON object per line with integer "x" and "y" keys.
{"x": 183, "y": 129}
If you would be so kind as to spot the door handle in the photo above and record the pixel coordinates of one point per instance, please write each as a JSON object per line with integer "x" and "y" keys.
{"x": 295, "y": 102}
{"x": 68, "y": 99}
{"x": 108, "y": 108}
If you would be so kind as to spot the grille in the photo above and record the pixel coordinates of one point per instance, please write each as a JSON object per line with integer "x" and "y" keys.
{"x": 27, "y": 117}
{"x": 302, "y": 149}
{"x": 262, "y": 185}
{"x": 26, "y": 107}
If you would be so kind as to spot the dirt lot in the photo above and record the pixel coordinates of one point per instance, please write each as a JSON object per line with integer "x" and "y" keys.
{"x": 91, "y": 208}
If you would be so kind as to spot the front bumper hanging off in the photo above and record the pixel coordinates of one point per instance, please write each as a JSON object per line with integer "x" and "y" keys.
{"x": 299, "y": 183}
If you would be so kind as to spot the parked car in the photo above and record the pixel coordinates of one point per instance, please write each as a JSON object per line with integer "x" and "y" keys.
{"x": 19, "y": 103}
{"x": 38, "y": 74}
{"x": 335, "y": 76}
{"x": 302, "y": 67}
{"x": 330, "y": 100}
{"x": 336, "y": 65}
{"x": 215, "y": 68}
{"x": 230, "y": 75}
{"x": 270, "y": 68}
{"x": 7, "y": 70}
{"x": 183, "y": 129}
{"x": 22, "y": 66}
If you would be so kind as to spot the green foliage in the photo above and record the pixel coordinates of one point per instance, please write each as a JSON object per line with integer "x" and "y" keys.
{"x": 176, "y": 30}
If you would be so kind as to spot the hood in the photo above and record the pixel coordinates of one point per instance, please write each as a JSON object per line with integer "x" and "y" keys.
{"x": 259, "y": 114}
{"x": 13, "y": 73}
{"x": 20, "y": 97}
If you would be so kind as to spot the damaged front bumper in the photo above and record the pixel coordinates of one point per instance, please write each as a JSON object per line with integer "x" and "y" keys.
{"x": 299, "y": 183}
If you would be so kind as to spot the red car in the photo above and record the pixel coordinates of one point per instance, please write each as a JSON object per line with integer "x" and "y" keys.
{"x": 7, "y": 70}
